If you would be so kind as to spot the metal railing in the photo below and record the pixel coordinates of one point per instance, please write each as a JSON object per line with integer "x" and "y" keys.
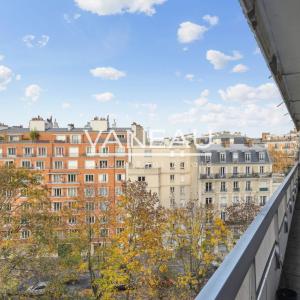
{"x": 253, "y": 268}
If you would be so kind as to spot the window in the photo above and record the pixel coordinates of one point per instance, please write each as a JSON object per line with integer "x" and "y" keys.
{"x": 223, "y": 215}
{"x": 90, "y": 206}
{"x": 263, "y": 200}
{"x": 103, "y": 164}
{"x": 208, "y": 187}
{"x": 119, "y": 191}
{"x": 172, "y": 165}
{"x": 1, "y": 152}
{"x": 11, "y": 151}
{"x": 172, "y": 177}
{"x": 59, "y": 151}
{"x": 141, "y": 178}
{"x": 248, "y": 199}
{"x": 248, "y": 185}
{"x": 90, "y": 151}
{"x": 207, "y": 157}
{"x": 103, "y": 232}
{"x": 56, "y": 206}
{"x": 89, "y": 178}
{"x": 120, "y": 177}
{"x": 235, "y": 156}
{"x": 104, "y": 150}
{"x": 40, "y": 165}
{"x": 247, "y": 157}
{"x": 148, "y": 166}
{"x": 235, "y": 200}
{"x": 172, "y": 189}
{"x": 182, "y": 166}
{"x": 56, "y": 178}
{"x": 72, "y": 220}
{"x": 248, "y": 170}
{"x": 208, "y": 171}
{"x": 27, "y": 151}
{"x": 89, "y": 192}
{"x": 90, "y": 219}
{"x": 72, "y": 177}
{"x": 58, "y": 165}
{"x": 9, "y": 163}
{"x": 72, "y": 205}
{"x": 90, "y": 164}
{"x": 222, "y": 171}
{"x": 261, "y": 170}
{"x": 208, "y": 201}
{"x": 26, "y": 164}
{"x": 120, "y": 164}
{"x": 103, "y": 177}
{"x": 73, "y": 152}
{"x": 25, "y": 234}
{"x": 75, "y": 139}
{"x": 103, "y": 191}
{"x": 103, "y": 206}
{"x": 120, "y": 150}
{"x": 72, "y": 164}
{"x": 235, "y": 171}
{"x": 57, "y": 192}
{"x": 261, "y": 156}
{"x": 223, "y": 186}
{"x": 103, "y": 220}
{"x": 72, "y": 192}
{"x": 222, "y": 157}
{"x": 236, "y": 186}
{"x": 182, "y": 190}
{"x": 60, "y": 138}
{"x": 42, "y": 152}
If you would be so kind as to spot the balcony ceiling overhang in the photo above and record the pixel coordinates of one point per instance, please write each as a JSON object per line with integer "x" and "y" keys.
{"x": 276, "y": 25}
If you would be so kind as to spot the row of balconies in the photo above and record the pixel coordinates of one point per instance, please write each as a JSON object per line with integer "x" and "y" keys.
{"x": 236, "y": 175}
{"x": 235, "y": 190}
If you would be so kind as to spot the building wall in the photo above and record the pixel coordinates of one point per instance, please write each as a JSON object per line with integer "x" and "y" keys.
{"x": 171, "y": 172}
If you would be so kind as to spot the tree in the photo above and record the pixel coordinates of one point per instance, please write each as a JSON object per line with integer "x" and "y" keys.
{"x": 196, "y": 236}
{"x": 26, "y": 236}
{"x": 34, "y": 135}
{"x": 281, "y": 161}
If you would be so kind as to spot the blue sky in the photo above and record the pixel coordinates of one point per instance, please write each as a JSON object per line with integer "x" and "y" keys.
{"x": 188, "y": 65}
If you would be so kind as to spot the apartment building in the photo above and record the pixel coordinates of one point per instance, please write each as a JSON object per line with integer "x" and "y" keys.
{"x": 169, "y": 169}
{"x": 87, "y": 162}
{"x": 234, "y": 173}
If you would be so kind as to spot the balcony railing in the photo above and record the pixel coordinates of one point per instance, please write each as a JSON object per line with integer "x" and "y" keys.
{"x": 236, "y": 175}
{"x": 253, "y": 268}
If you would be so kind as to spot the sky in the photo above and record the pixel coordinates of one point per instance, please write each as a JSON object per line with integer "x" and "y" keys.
{"x": 172, "y": 65}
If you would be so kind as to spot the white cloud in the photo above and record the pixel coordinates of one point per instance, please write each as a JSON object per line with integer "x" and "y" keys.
{"x": 33, "y": 92}
{"x": 240, "y": 68}
{"x": 190, "y": 77}
{"x": 6, "y": 75}
{"x": 189, "y": 32}
{"x": 69, "y": 18}
{"x": 202, "y": 100}
{"x": 112, "y": 7}
{"x": 244, "y": 116}
{"x": 31, "y": 40}
{"x": 107, "y": 73}
{"x": 245, "y": 93}
{"x": 211, "y": 20}
{"x": 219, "y": 60}
{"x": 65, "y": 105}
{"x": 104, "y": 97}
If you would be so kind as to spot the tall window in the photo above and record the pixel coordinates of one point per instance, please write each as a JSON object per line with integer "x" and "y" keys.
{"x": 222, "y": 171}
{"x": 59, "y": 151}
{"x": 120, "y": 163}
{"x": 222, "y": 157}
{"x": 248, "y": 185}
{"x": 208, "y": 186}
{"x": 42, "y": 152}
{"x": 223, "y": 186}
{"x": 248, "y": 157}
{"x": 103, "y": 164}
{"x": 261, "y": 170}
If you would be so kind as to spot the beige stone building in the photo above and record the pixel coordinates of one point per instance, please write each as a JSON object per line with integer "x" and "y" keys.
{"x": 234, "y": 174}
{"x": 169, "y": 170}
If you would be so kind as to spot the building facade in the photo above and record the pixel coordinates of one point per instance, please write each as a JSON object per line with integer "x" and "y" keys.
{"x": 234, "y": 174}
{"x": 87, "y": 162}
{"x": 169, "y": 170}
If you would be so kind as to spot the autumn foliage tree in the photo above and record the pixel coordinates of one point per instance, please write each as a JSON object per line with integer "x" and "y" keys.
{"x": 281, "y": 161}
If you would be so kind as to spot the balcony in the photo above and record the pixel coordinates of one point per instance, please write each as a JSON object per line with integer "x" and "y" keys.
{"x": 253, "y": 269}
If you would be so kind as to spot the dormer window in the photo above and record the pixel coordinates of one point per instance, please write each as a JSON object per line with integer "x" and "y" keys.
{"x": 235, "y": 156}
{"x": 222, "y": 157}
{"x": 261, "y": 156}
{"x": 247, "y": 157}
{"x": 207, "y": 157}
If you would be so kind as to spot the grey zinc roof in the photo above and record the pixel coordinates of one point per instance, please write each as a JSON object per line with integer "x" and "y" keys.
{"x": 215, "y": 151}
